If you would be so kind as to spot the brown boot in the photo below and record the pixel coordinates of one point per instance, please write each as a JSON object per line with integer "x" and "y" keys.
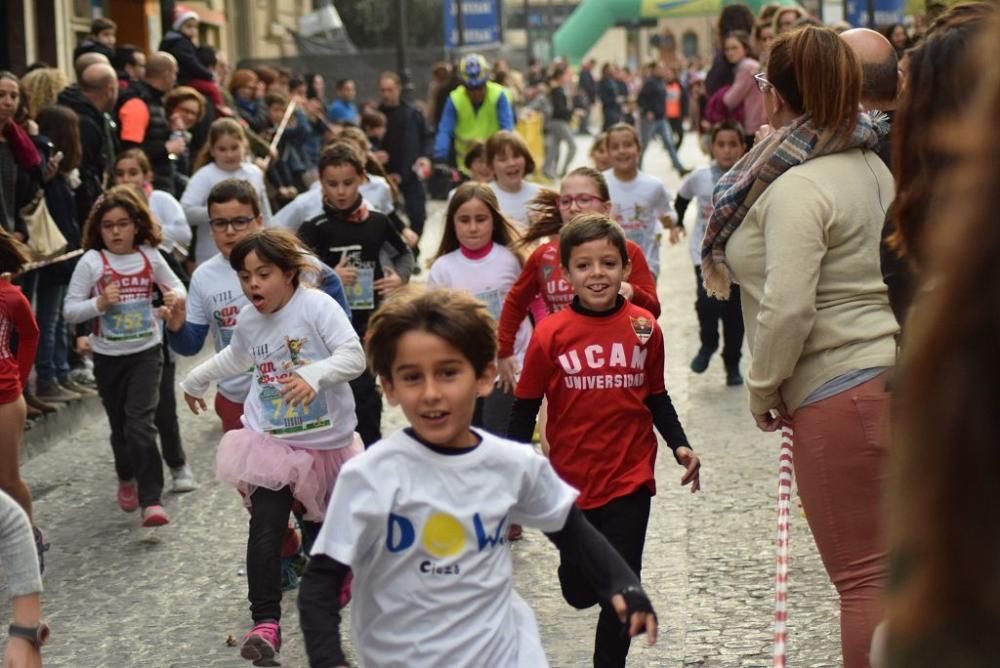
{"x": 33, "y": 413}
{"x": 35, "y": 402}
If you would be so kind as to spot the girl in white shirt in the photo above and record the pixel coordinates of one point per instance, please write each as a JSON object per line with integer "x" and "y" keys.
{"x": 640, "y": 202}
{"x": 112, "y": 285}
{"x": 474, "y": 255}
{"x": 508, "y": 156}
{"x": 223, "y": 157}
{"x": 298, "y": 418}
{"x": 132, "y": 168}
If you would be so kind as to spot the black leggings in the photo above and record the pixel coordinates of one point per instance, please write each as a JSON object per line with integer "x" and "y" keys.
{"x": 367, "y": 408}
{"x": 623, "y": 522}
{"x": 710, "y": 311}
{"x": 268, "y": 526}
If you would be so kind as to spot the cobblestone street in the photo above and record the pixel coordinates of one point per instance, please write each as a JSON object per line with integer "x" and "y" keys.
{"x": 118, "y": 596}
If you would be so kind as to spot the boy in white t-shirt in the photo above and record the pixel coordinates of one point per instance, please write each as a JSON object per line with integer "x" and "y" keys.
{"x": 422, "y": 517}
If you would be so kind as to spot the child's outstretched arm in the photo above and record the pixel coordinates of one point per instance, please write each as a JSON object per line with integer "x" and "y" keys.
{"x": 669, "y": 425}
{"x": 230, "y": 361}
{"x": 586, "y": 548}
{"x": 319, "y": 612}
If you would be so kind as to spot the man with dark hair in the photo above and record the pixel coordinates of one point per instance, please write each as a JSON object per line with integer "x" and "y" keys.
{"x": 408, "y": 142}
{"x": 92, "y": 99}
{"x": 881, "y": 79}
{"x": 130, "y": 63}
{"x": 142, "y": 119}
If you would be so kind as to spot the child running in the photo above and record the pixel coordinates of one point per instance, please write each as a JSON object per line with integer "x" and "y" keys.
{"x": 367, "y": 253}
{"x": 420, "y": 518}
{"x": 584, "y": 190}
{"x": 509, "y": 158}
{"x": 223, "y": 157}
{"x": 16, "y": 319}
{"x": 299, "y": 417}
{"x": 599, "y": 153}
{"x": 113, "y": 285}
{"x": 641, "y": 203}
{"x": 132, "y": 168}
{"x": 728, "y": 144}
{"x": 475, "y": 256}
{"x": 215, "y": 298}
{"x": 600, "y": 365}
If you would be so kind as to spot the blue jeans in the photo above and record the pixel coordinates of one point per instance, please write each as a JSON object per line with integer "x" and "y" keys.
{"x": 659, "y": 128}
{"x": 52, "y": 359}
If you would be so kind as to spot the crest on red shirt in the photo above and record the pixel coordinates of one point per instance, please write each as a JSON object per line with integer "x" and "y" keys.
{"x": 547, "y": 271}
{"x": 642, "y": 326}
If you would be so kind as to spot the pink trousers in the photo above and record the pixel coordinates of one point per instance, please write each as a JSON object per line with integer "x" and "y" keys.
{"x": 840, "y": 458}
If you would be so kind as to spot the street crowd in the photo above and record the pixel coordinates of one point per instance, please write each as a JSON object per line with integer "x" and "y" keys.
{"x": 839, "y": 231}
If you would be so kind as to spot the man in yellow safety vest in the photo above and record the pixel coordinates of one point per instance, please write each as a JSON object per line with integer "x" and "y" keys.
{"x": 474, "y": 111}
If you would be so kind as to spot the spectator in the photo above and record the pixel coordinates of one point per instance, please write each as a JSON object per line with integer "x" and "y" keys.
{"x": 677, "y": 102}
{"x": 20, "y": 162}
{"x": 763, "y": 35}
{"x": 475, "y": 110}
{"x": 143, "y": 123}
{"x": 92, "y": 99}
{"x": 788, "y": 18}
{"x": 744, "y": 98}
{"x": 315, "y": 87}
{"x": 180, "y": 42}
{"x": 881, "y": 79}
{"x": 343, "y": 109}
{"x": 896, "y": 34}
{"x": 810, "y": 199}
{"x": 612, "y": 94}
{"x": 130, "y": 63}
{"x": 407, "y": 143}
{"x": 61, "y": 126}
{"x": 100, "y": 40}
{"x": 244, "y": 86}
{"x": 721, "y": 73}
{"x": 85, "y": 60}
{"x": 284, "y": 174}
{"x": 443, "y": 81}
{"x": 185, "y": 108}
{"x": 41, "y": 88}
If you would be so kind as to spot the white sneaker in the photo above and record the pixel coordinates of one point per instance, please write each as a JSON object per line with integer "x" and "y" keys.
{"x": 183, "y": 480}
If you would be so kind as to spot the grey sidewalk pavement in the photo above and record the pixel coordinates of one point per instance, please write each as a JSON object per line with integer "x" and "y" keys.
{"x": 119, "y": 596}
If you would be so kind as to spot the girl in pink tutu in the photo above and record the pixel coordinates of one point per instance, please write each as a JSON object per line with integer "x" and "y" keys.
{"x": 298, "y": 420}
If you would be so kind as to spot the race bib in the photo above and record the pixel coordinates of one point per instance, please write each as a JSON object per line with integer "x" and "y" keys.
{"x": 282, "y": 420}
{"x": 361, "y": 295}
{"x": 223, "y": 335}
{"x": 494, "y": 302}
{"x": 128, "y": 321}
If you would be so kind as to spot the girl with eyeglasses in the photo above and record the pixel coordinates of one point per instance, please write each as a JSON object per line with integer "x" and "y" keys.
{"x": 113, "y": 285}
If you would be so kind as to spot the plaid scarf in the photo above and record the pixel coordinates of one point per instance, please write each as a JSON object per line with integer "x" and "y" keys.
{"x": 738, "y": 189}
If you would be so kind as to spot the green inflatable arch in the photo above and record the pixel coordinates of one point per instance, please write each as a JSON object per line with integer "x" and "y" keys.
{"x": 592, "y": 18}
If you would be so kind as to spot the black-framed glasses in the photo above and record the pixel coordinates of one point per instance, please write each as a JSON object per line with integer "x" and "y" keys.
{"x": 762, "y": 83}
{"x": 239, "y": 223}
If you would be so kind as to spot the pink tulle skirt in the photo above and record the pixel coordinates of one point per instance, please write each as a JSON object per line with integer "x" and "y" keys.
{"x": 248, "y": 459}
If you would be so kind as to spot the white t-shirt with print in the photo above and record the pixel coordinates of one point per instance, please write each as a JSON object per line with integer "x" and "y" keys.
{"x": 166, "y": 209}
{"x": 515, "y": 205}
{"x": 215, "y": 298}
{"x": 698, "y": 187}
{"x": 489, "y": 279}
{"x": 307, "y": 329}
{"x": 425, "y": 534}
{"x": 638, "y": 205}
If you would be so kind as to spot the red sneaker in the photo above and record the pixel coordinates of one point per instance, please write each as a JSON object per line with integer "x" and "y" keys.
{"x": 128, "y": 495}
{"x": 291, "y": 544}
{"x": 345, "y": 590}
{"x": 262, "y": 643}
{"x": 154, "y": 516}
{"x": 515, "y": 532}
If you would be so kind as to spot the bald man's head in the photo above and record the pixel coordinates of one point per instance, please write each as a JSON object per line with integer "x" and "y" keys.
{"x": 161, "y": 71}
{"x": 880, "y": 68}
{"x": 99, "y": 82}
{"x": 86, "y": 60}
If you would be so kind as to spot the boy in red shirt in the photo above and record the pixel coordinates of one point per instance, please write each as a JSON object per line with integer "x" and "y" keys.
{"x": 600, "y": 365}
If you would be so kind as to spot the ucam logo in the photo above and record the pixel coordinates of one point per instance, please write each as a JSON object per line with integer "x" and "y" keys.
{"x": 442, "y": 535}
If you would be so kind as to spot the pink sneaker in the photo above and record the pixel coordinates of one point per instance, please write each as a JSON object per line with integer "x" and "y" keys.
{"x": 262, "y": 643}
{"x": 345, "y": 590}
{"x": 128, "y": 495}
{"x": 154, "y": 516}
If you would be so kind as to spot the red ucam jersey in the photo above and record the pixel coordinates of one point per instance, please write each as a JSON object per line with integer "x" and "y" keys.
{"x": 542, "y": 275}
{"x": 596, "y": 372}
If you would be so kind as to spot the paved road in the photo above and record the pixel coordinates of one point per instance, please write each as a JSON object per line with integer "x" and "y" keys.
{"x": 119, "y": 596}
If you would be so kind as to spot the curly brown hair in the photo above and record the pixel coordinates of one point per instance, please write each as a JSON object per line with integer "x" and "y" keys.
{"x": 122, "y": 197}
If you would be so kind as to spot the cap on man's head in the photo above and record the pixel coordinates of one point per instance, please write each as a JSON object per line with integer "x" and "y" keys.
{"x": 474, "y": 70}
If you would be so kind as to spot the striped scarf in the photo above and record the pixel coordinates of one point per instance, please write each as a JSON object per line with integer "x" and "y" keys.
{"x": 738, "y": 189}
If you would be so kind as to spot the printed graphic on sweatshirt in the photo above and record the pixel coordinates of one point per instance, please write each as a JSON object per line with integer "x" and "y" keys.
{"x": 599, "y": 367}
{"x": 279, "y": 418}
{"x": 360, "y": 295}
{"x": 442, "y": 537}
{"x": 132, "y": 317}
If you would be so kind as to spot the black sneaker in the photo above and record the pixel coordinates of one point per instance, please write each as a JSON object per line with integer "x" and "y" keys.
{"x": 700, "y": 361}
{"x": 733, "y": 377}
{"x": 42, "y": 548}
